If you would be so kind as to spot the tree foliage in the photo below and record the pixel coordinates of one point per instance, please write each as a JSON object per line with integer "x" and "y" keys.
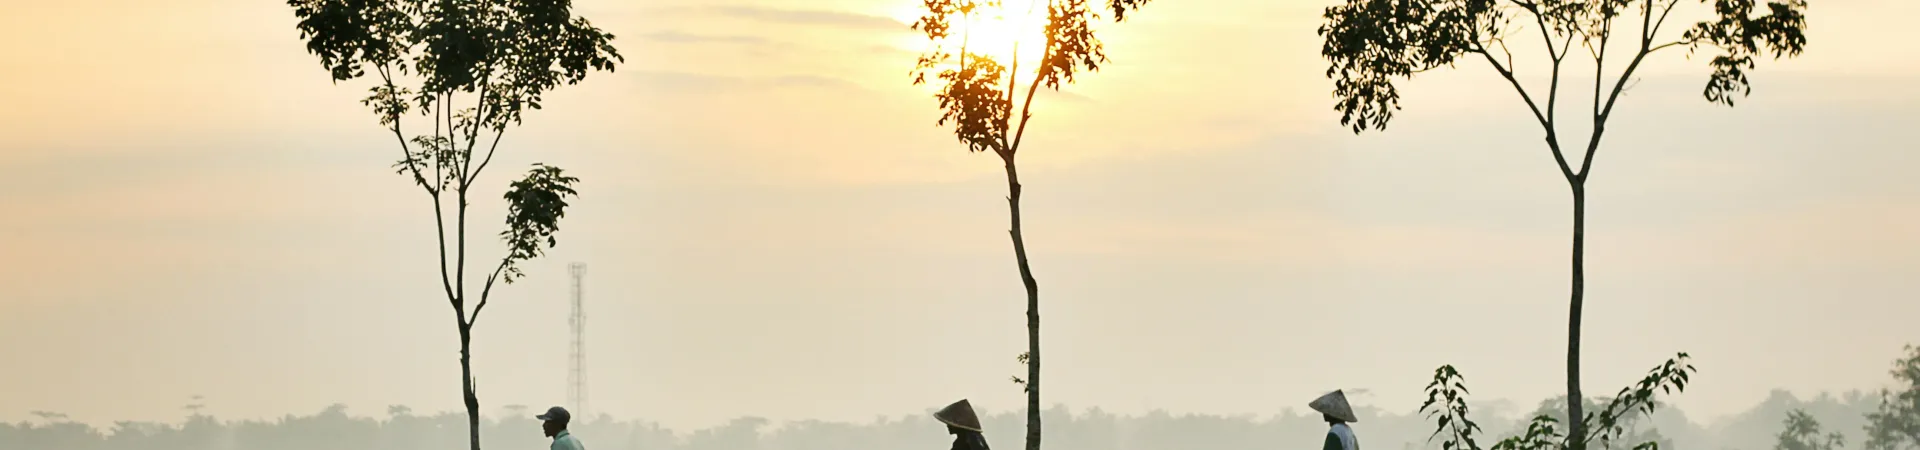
{"x": 977, "y": 92}
{"x": 1896, "y": 425}
{"x": 1446, "y": 404}
{"x": 505, "y": 55}
{"x": 1371, "y": 43}
{"x": 535, "y": 205}
{"x": 1801, "y": 432}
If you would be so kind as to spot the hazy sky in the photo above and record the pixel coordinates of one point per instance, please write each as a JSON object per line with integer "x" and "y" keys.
{"x": 774, "y": 226}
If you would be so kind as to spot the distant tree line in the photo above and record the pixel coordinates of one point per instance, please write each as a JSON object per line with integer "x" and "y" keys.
{"x": 1893, "y": 424}
{"x": 335, "y": 429}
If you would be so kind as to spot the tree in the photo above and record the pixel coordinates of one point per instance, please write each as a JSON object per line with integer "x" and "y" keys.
{"x": 500, "y": 57}
{"x": 50, "y": 416}
{"x": 1370, "y": 43}
{"x": 977, "y": 94}
{"x": 1802, "y": 432}
{"x": 193, "y": 408}
{"x": 1896, "y": 425}
{"x": 515, "y": 410}
{"x": 1447, "y": 403}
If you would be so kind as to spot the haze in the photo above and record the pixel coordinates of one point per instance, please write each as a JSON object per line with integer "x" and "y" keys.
{"x": 773, "y": 226}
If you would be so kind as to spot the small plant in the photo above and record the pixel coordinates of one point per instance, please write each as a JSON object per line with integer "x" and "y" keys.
{"x": 1016, "y": 378}
{"x": 1447, "y": 403}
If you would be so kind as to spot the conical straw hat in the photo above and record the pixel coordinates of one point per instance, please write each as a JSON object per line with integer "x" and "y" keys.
{"x": 959, "y": 414}
{"x": 1334, "y": 404}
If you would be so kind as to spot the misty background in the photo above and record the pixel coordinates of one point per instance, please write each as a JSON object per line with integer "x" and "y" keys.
{"x": 512, "y": 427}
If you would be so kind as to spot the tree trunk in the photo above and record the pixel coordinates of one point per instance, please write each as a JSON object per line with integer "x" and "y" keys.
{"x": 1033, "y": 306}
{"x": 1577, "y": 432}
{"x": 467, "y": 388}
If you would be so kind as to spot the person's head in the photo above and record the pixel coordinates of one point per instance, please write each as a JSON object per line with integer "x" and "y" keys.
{"x": 959, "y": 417}
{"x": 554, "y": 421}
{"x": 1333, "y": 408}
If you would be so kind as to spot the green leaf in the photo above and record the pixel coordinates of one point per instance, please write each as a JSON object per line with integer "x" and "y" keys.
{"x": 535, "y": 205}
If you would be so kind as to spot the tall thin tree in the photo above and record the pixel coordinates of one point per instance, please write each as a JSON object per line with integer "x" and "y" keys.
{"x": 472, "y": 68}
{"x": 1370, "y": 43}
{"x": 977, "y": 95}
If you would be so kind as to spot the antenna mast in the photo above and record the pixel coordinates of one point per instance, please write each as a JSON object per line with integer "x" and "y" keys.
{"x": 577, "y": 370}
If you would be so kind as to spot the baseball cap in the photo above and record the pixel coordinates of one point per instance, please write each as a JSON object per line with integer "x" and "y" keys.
{"x": 556, "y": 414}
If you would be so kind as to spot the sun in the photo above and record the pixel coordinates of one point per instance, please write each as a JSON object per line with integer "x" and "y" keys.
{"x": 995, "y": 30}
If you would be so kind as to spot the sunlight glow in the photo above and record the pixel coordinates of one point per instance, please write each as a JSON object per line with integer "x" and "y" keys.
{"x": 995, "y": 30}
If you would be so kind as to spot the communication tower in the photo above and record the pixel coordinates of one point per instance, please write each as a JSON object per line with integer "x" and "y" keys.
{"x": 577, "y": 361}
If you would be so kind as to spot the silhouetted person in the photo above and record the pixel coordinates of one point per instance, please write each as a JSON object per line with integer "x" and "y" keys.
{"x": 554, "y": 422}
{"x": 963, "y": 424}
{"x": 1334, "y": 408}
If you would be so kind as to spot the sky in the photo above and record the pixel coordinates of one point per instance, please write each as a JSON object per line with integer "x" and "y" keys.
{"x": 774, "y": 226}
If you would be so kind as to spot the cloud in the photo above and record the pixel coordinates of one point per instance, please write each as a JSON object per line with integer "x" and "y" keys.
{"x": 688, "y": 38}
{"x": 1066, "y": 96}
{"x": 815, "y": 17}
{"x": 813, "y": 81}
{"x": 682, "y": 82}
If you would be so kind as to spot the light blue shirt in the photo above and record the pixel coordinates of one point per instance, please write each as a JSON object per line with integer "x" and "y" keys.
{"x": 566, "y": 441}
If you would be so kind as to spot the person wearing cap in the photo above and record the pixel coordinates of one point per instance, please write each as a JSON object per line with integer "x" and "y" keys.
{"x": 963, "y": 424}
{"x": 554, "y": 422}
{"x": 1334, "y": 408}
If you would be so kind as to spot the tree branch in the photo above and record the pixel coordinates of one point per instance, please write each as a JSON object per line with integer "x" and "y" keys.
{"x": 1647, "y": 28}
{"x": 495, "y": 146}
{"x": 1600, "y": 61}
{"x": 1553, "y": 88}
{"x": 1504, "y": 50}
{"x": 1026, "y": 109}
{"x": 439, "y": 139}
{"x": 473, "y": 133}
{"x": 1669, "y": 44}
{"x": 449, "y": 140}
{"x": 1654, "y": 32}
{"x": 432, "y": 189}
{"x": 1553, "y": 142}
{"x": 1600, "y": 121}
{"x": 460, "y": 231}
{"x": 487, "y": 291}
{"x": 1013, "y": 90}
{"x": 440, "y": 231}
{"x": 406, "y": 151}
{"x": 439, "y": 217}
{"x": 1546, "y": 37}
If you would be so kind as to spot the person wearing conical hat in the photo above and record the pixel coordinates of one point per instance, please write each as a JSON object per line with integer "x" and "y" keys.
{"x": 1334, "y": 408}
{"x": 963, "y": 424}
